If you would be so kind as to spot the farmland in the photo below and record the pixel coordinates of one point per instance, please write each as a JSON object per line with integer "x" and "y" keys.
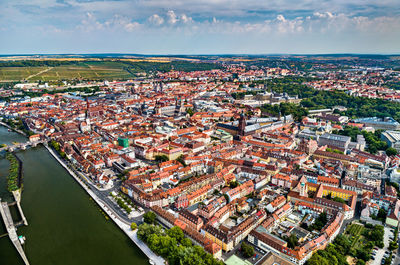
{"x": 18, "y": 73}
{"x": 90, "y": 69}
{"x": 79, "y": 70}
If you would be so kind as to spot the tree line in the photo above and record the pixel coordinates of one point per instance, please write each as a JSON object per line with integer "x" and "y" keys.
{"x": 12, "y": 180}
{"x": 316, "y": 99}
{"x": 172, "y": 245}
{"x": 373, "y": 139}
{"x": 185, "y": 66}
{"x": 34, "y": 63}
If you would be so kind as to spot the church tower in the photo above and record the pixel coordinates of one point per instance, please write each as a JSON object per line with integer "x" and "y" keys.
{"x": 303, "y": 187}
{"x": 88, "y": 114}
{"x": 242, "y": 124}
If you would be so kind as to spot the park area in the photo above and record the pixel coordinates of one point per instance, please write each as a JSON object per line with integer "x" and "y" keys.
{"x": 354, "y": 244}
{"x": 363, "y": 238}
{"x": 354, "y": 234}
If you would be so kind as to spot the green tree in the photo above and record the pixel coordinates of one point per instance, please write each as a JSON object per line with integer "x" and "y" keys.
{"x": 360, "y": 262}
{"x": 226, "y": 197}
{"x": 176, "y": 232}
{"x": 133, "y": 226}
{"x": 362, "y": 254}
{"x": 248, "y": 251}
{"x": 293, "y": 241}
{"x": 161, "y": 158}
{"x": 320, "y": 222}
{"x": 381, "y": 214}
{"x": 190, "y": 111}
{"x": 338, "y": 199}
{"x": 186, "y": 242}
{"x": 181, "y": 160}
{"x": 233, "y": 184}
{"x": 153, "y": 242}
{"x": 149, "y": 217}
{"x": 316, "y": 259}
{"x": 391, "y": 151}
{"x": 343, "y": 244}
{"x": 145, "y": 230}
{"x": 393, "y": 245}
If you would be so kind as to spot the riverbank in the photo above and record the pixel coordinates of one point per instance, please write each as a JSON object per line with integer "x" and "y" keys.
{"x": 124, "y": 226}
{"x": 13, "y": 129}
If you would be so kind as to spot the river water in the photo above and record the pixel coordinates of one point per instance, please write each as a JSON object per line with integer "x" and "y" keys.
{"x": 65, "y": 226}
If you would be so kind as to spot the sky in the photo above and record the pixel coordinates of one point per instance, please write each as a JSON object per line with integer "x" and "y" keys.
{"x": 199, "y": 26}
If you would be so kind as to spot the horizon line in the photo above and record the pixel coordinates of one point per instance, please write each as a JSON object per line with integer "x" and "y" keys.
{"x": 200, "y": 54}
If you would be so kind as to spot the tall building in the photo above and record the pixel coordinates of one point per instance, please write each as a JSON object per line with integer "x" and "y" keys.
{"x": 88, "y": 114}
{"x": 392, "y": 138}
{"x": 334, "y": 140}
{"x": 387, "y": 123}
{"x": 242, "y": 124}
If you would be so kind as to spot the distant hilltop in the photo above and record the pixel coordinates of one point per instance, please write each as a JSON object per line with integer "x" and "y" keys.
{"x": 193, "y": 56}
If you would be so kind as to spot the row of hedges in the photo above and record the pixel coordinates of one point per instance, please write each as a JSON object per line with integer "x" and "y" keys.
{"x": 56, "y": 146}
{"x": 121, "y": 203}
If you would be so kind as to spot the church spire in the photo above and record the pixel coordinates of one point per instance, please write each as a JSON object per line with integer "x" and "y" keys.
{"x": 242, "y": 124}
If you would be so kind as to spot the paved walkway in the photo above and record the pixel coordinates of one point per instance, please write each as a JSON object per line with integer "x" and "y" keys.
{"x": 11, "y": 230}
{"x": 121, "y": 223}
{"x": 17, "y": 197}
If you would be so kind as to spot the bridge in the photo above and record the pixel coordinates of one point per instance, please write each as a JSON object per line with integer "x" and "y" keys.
{"x": 21, "y": 146}
{"x": 11, "y": 230}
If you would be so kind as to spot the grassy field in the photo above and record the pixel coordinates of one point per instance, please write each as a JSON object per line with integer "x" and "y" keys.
{"x": 96, "y": 70}
{"x": 85, "y": 70}
{"x": 92, "y": 69}
{"x": 18, "y": 73}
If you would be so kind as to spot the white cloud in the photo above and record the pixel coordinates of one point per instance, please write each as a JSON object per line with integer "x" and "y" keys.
{"x": 90, "y": 23}
{"x": 185, "y": 19}
{"x": 323, "y": 15}
{"x": 354, "y": 22}
{"x": 172, "y": 18}
{"x": 132, "y": 26}
{"x": 281, "y": 18}
{"x": 156, "y": 20}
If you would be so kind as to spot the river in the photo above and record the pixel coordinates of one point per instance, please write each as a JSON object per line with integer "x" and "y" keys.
{"x": 65, "y": 226}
